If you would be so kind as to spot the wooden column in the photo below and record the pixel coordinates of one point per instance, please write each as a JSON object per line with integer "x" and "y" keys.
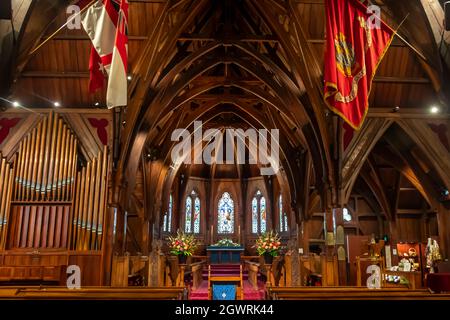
{"x": 443, "y": 216}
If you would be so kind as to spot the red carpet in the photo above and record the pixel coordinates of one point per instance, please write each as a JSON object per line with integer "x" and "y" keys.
{"x": 250, "y": 293}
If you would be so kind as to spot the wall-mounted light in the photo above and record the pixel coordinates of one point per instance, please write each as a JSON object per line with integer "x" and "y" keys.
{"x": 434, "y": 109}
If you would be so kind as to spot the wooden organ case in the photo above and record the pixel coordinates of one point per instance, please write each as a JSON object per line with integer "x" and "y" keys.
{"x": 52, "y": 208}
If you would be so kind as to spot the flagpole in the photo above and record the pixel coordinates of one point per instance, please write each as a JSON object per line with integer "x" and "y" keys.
{"x": 420, "y": 54}
{"x": 62, "y": 27}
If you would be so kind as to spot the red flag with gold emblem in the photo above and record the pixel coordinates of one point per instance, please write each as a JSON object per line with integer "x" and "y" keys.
{"x": 357, "y": 40}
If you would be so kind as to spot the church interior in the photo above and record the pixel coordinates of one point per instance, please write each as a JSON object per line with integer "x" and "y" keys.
{"x": 225, "y": 175}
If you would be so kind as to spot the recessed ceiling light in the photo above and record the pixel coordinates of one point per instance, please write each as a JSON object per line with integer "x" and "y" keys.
{"x": 434, "y": 109}
{"x": 56, "y": 104}
{"x": 16, "y": 104}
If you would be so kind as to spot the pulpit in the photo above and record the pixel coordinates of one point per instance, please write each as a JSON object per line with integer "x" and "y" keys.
{"x": 222, "y": 255}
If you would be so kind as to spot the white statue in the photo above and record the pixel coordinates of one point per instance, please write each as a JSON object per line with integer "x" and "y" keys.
{"x": 432, "y": 254}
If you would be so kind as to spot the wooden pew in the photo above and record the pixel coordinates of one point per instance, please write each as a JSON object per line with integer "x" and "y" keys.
{"x": 350, "y": 293}
{"x": 92, "y": 293}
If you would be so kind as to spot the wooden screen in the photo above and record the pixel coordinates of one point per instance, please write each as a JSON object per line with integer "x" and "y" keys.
{"x": 44, "y": 185}
{"x": 46, "y": 202}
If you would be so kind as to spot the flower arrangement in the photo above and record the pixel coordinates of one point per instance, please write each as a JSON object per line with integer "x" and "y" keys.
{"x": 225, "y": 243}
{"x": 268, "y": 243}
{"x": 183, "y": 244}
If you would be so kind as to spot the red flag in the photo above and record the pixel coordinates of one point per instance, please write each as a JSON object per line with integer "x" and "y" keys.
{"x": 356, "y": 44}
{"x": 97, "y": 77}
{"x": 106, "y": 23}
{"x": 118, "y": 82}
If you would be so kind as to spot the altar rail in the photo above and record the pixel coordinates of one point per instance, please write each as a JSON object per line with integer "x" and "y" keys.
{"x": 350, "y": 293}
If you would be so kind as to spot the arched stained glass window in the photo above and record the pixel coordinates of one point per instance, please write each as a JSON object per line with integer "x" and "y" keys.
{"x": 193, "y": 213}
{"x": 254, "y": 215}
{"x": 197, "y": 215}
{"x": 259, "y": 213}
{"x": 167, "y": 225}
{"x": 283, "y": 215}
{"x": 263, "y": 215}
{"x": 225, "y": 221}
{"x": 347, "y": 215}
{"x": 188, "y": 221}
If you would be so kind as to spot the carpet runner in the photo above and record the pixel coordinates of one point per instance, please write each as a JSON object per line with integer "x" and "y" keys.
{"x": 250, "y": 293}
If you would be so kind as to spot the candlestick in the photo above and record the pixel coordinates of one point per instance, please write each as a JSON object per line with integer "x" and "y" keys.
{"x": 239, "y": 234}
{"x": 212, "y": 234}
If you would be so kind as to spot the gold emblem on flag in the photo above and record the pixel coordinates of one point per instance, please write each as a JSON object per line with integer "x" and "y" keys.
{"x": 345, "y": 56}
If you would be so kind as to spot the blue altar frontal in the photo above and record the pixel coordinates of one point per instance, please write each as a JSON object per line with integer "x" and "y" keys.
{"x": 218, "y": 255}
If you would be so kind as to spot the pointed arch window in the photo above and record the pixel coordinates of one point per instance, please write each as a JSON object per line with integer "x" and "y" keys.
{"x": 192, "y": 213}
{"x": 259, "y": 213}
{"x": 167, "y": 226}
{"x": 283, "y": 215}
{"x": 225, "y": 218}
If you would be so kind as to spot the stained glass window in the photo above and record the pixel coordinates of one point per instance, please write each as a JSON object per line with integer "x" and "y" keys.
{"x": 197, "y": 215}
{"x": 225, "y": 214}
{"x": 165, "y": 222}
{"x": 188, "y": 221}
{"x": 347, "y": 215}
{"x": 259, "y": 213}
{"x": 254, "y": 215}
{"x": 283, "y": 215}
{"x": 262, "y": 210}
{"x": 169, "y": 214}
{"x": 280, "y": 207}
{"x": 193, "y": 214}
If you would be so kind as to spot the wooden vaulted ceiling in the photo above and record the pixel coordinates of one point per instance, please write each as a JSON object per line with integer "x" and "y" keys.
{"x": 259, "y": 60}
{"x": 59, "y": 70}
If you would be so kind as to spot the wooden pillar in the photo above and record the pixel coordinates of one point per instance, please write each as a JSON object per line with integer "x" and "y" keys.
{"x": 443, "y": 216}
{"x": 304, "y": 235}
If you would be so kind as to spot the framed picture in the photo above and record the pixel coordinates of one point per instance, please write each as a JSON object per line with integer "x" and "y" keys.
{"x": 407, "y": 266}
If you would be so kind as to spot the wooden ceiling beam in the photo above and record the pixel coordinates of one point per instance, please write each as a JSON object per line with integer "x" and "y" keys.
{"x": 380, "y": 188}
{"x": 84, "y": 74}
{"x": 241, "y": 38}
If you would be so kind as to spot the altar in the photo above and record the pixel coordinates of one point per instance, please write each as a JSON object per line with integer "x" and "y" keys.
{"x": 220, "y": 255}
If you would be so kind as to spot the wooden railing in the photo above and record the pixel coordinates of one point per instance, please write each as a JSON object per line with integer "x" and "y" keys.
{"x": 197, "y": 273}
{"x": 93, "y": 293}
{"x": 227, "y": 279}
{"x": 350, "y": 293}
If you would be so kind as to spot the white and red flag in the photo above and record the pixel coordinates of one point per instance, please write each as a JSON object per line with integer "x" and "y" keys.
{"x": 106, "y": 23}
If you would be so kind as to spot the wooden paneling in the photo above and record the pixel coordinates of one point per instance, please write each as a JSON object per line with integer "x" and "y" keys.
{"x": 409, "y": 229}
{"x": 90, "y": 265}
